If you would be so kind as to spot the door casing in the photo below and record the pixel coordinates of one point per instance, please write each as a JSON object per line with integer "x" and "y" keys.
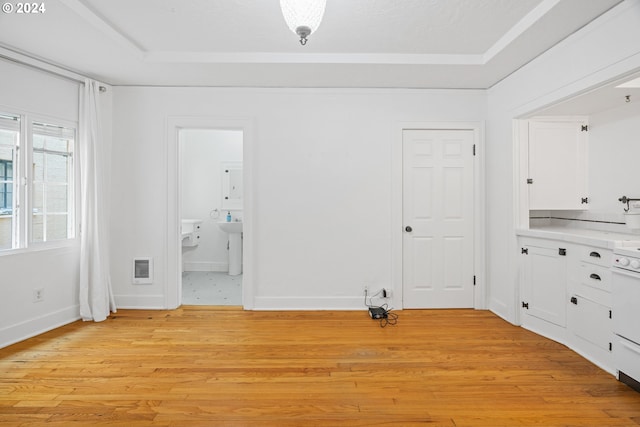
{"x": 173, "y": 293}
{"x": 397, "y": 230}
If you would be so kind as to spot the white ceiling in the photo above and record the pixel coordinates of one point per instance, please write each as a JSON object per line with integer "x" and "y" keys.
{"x": 360, "y": 43}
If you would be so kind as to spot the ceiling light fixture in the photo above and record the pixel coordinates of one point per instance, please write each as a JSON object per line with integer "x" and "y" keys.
{"x": 303, "y": 16}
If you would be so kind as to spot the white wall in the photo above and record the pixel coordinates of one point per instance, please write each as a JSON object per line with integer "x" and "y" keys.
{"x": 322, "y": 181}
{"x": 614, "y": 150}
{"x": 26, "y": 90}
{"x": 203, "y": 151}
{"x": 603, "y": 50}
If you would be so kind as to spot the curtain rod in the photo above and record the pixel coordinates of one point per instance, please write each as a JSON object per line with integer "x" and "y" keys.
{"x": 41, "y": 65}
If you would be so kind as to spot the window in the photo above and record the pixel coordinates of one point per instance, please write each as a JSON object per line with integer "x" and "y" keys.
{"x": 46, "y": 168}
{"x": 6, "y": 186}
{"x": 51, "y": 196}
{"x": 9, "y": 138}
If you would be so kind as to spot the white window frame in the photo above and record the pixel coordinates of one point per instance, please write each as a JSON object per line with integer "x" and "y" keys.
{"x": 23, "y": 190}
{"x": 17, "y": 168}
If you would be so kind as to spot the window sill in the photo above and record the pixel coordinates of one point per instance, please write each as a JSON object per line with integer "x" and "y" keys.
{"x": 42, "y": 247}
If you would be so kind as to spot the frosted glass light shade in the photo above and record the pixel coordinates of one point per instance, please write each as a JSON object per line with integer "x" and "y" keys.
{"x": 303, "y": 16}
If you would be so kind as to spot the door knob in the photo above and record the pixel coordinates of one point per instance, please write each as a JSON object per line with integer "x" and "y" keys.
{"x": 408, "y": 229}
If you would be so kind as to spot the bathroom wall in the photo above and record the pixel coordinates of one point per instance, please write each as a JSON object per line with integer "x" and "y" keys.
{"x": 321, "y": 178}
{"x": 202, "y": 154}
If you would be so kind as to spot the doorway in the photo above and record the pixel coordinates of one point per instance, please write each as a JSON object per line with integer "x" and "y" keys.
{"x": 211, "y": 192}
{"x": 174, "y": 265}
{"x": 438, "y": 216}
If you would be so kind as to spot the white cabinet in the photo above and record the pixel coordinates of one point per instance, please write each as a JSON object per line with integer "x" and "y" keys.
{"x": 557, "y": 164}
{"x": 565, "y": 291}
{"x": 589, "y": 316}
{"x": 190, "y": 231}
{"x": 590, "y": 321}
{"x": 544, "y": 280}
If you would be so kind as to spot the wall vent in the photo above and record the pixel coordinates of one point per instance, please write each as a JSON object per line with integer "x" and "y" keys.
{"x": 142, "y": 271}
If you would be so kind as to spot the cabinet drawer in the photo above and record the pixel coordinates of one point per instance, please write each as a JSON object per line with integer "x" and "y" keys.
{"x": 597, "y": 256}
{"x": 594, "y": 276}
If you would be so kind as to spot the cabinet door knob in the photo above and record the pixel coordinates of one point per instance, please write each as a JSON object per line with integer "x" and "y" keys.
{"x": 595, "y": 277}
{"x": 408, "y": 229}
{"x": 595, "y": 254}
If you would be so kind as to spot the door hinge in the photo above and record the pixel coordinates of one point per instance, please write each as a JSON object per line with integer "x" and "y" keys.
{"x": 584, "y": 200}
{"x": 474, "y": 149}
{"x": 562, "y": 252}
{"x": 525, "y": 305}
{"x": 474, "y": 280}
{"x": 584, "y": 128}
{"x": 524, "y": 251}
{"x": 529, "y": 181}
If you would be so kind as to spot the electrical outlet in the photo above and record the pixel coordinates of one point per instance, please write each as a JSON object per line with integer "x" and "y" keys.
{"x": 386, "y": 293}
{"x": 38, "y": 295}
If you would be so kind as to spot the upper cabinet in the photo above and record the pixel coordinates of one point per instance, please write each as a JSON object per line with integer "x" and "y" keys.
{"x": 232, "y": 188}
{"x": 557, "y": 164}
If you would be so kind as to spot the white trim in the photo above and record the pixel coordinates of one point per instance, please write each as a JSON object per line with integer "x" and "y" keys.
{"x": 479, "y": 226}
{"x": 518, "y": 30}
{"x": 140, "y": 302}
{"x": 39, "y": 325}
{"x": 104, "y": 26}
{"x": 173, "y": 242}
{"x": 312, "y": 58}
{"x": 310, "y": 303}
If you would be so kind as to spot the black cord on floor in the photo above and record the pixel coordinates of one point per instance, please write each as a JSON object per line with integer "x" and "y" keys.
{"x": 387, "y": 318}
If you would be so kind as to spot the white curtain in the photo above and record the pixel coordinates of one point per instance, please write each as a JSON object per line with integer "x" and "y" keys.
{"x": 96, "y": 295}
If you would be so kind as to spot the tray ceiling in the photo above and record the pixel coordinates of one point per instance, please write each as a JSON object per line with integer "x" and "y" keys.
{"x": 246, "y": 43}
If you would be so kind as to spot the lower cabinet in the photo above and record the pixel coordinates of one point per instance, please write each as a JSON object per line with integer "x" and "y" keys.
{"x": 565, "y": 296}
{"x": 544, "y": 281}
{"x": 591, "y": 322}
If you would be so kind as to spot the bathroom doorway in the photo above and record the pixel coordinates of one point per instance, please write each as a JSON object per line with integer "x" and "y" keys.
{"x": 211, "y": 192}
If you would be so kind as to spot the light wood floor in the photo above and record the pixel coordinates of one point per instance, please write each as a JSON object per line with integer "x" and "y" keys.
{"x": 205, "y": 366}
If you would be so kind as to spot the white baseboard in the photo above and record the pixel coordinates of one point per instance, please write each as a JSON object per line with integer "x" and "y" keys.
{"x": 32, "y": 327}
{"x": 141, "y": 302}
{"x": 310, "y": 303}
{"x": 500, "y": 309}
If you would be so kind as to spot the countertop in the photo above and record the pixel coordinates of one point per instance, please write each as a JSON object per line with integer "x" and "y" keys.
{"x": 603, "y": 239}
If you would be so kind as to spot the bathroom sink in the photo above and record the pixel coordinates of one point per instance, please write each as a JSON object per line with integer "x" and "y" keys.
{"x": 231, "y": 227}
{"x": 234, "y": 230}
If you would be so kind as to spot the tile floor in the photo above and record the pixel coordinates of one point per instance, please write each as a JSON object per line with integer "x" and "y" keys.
{"x": 211, "y": 288}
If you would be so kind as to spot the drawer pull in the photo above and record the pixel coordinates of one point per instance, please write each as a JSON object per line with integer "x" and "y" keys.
{"x": 594, "y": 254}
{"x": 595, "y": 277}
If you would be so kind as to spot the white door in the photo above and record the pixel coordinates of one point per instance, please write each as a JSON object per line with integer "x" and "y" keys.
{"x": 437, "y": 247}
